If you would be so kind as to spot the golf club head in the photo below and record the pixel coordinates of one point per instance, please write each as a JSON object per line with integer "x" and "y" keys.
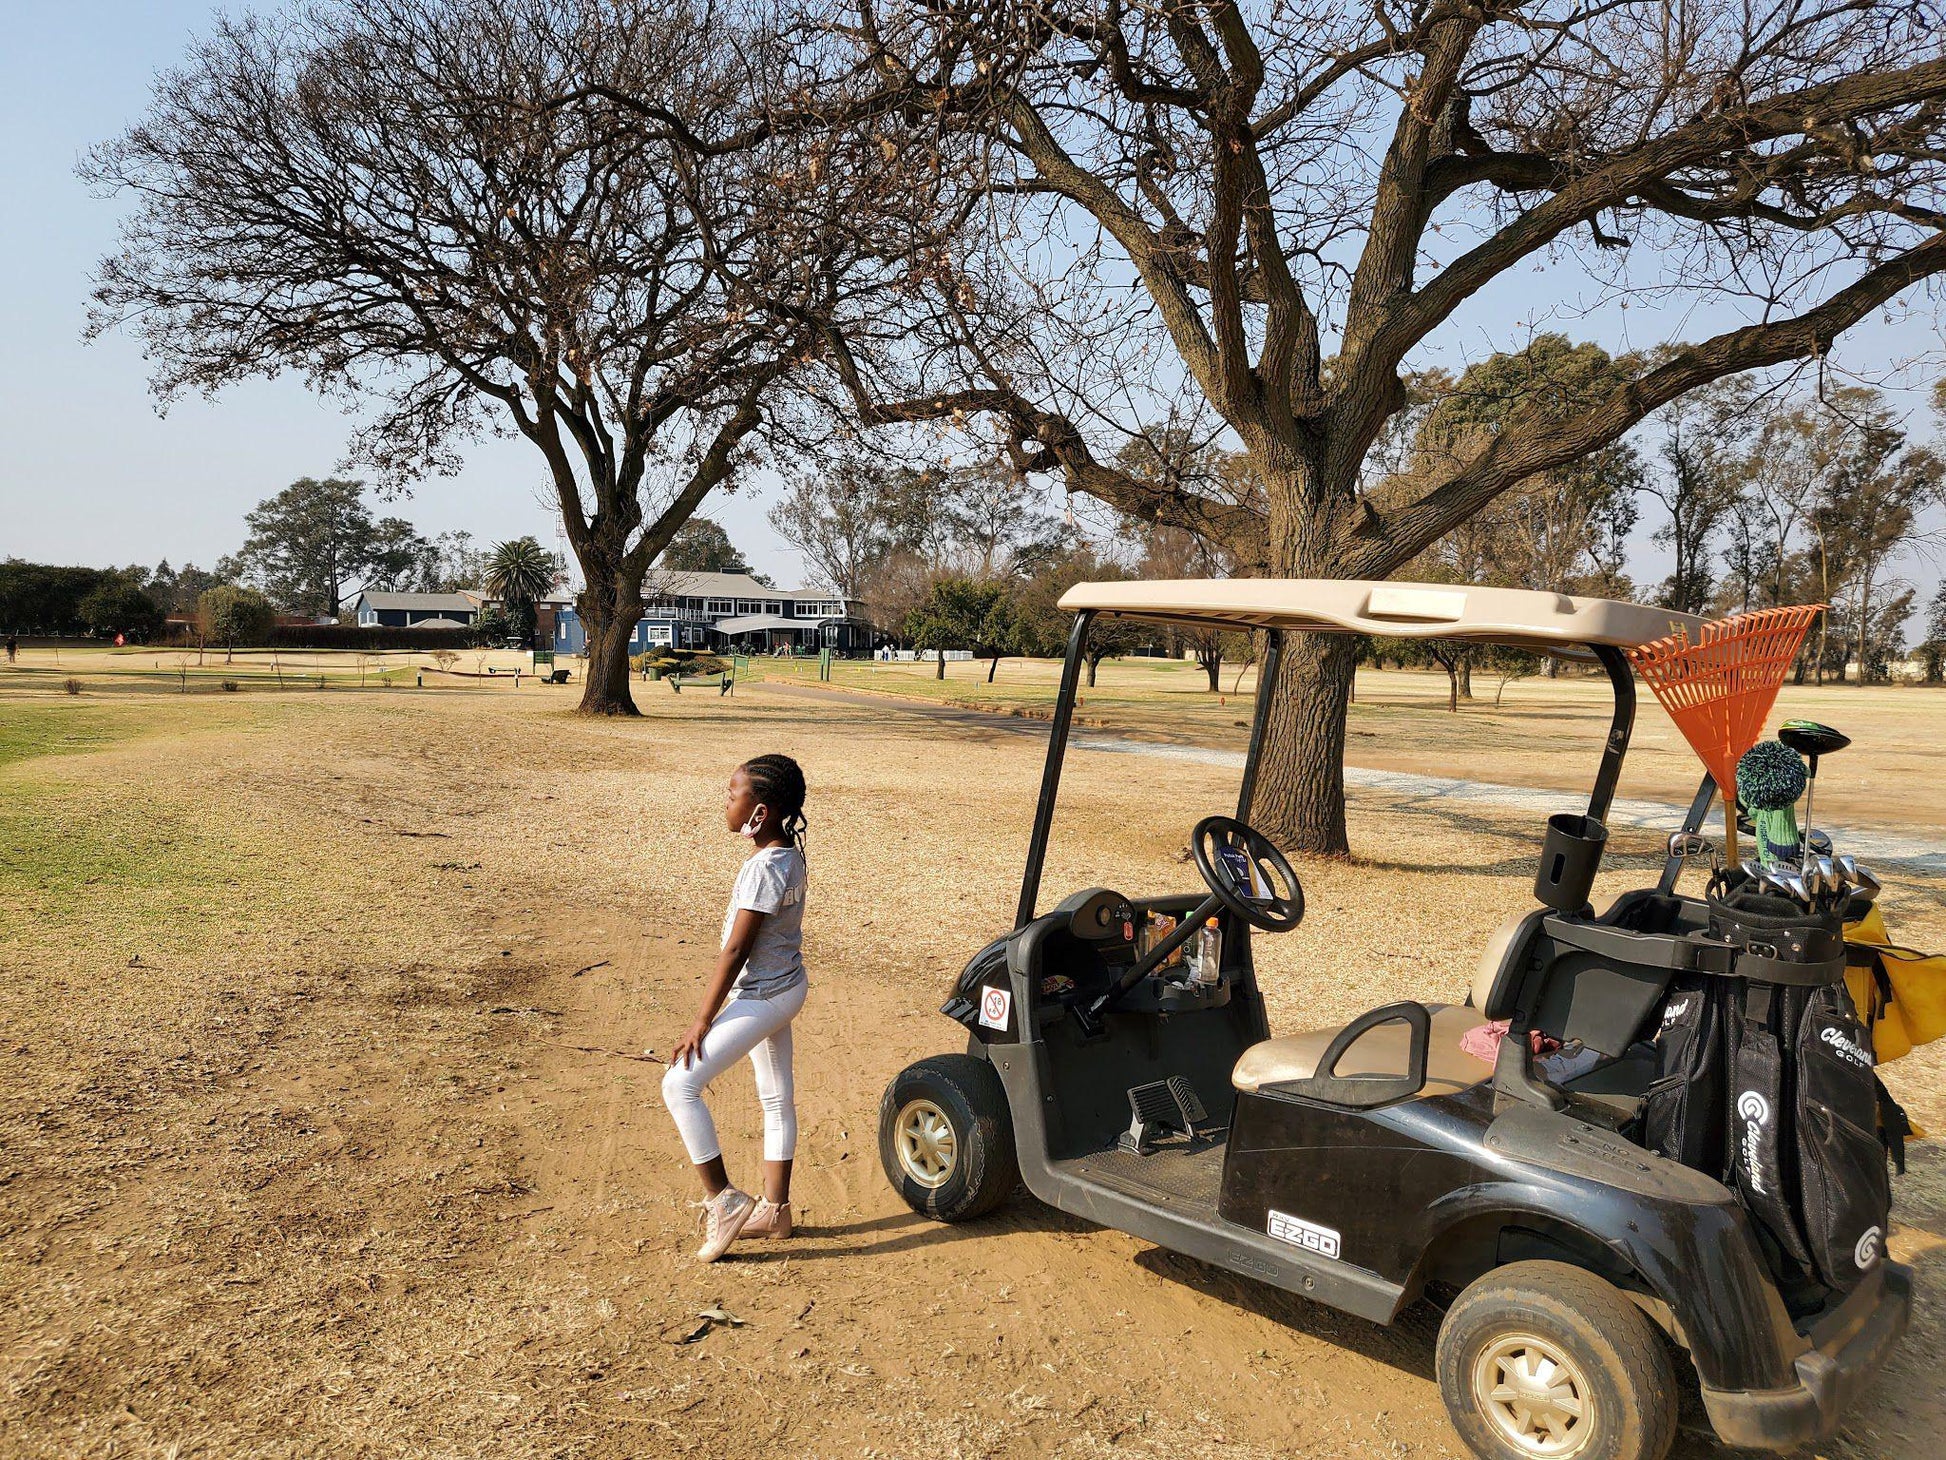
{"x": 1809, "y": 738}
{"x": 1847, "y": 866}
{"x": 1688, "y": 844}
{"x": 1865, "y": 882}
{"x": 1820, "y": 842}
{"x": 1828, "y": 878}
{"x": 1796, "y": 886}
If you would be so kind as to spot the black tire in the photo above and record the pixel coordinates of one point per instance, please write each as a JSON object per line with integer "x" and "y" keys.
{"x": 965, "y": 1096}
{"x": 1618, "y": 1367}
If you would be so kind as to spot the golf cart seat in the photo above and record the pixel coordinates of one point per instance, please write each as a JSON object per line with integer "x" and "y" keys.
{"x": 1383, "y": 1051}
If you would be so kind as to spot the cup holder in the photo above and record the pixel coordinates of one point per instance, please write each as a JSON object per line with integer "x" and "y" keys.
{"x": 1570, "y": 856}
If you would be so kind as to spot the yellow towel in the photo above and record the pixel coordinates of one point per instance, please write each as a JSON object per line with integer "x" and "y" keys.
{"x": 1908, "y": 1006}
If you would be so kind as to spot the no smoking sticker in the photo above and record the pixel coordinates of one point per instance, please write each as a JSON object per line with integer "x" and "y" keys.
{"x": 995, "y": 1006}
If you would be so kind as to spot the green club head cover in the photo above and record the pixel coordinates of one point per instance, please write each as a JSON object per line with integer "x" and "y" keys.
{"x": 1770, "y": 778}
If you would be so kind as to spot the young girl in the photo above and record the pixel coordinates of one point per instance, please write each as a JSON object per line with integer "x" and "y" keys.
{"x": 748, "y": 1005}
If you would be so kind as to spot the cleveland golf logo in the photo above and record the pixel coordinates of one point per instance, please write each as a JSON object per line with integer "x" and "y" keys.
{"x": 1755, "y": 1111}
{"x": 1866, "y": 1252}
{"x": 1850, "y": 1048}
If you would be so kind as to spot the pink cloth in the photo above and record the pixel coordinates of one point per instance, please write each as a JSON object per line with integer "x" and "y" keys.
{"x": 1483, "y": 1040}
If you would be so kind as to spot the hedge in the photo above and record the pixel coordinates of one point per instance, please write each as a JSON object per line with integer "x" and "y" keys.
{"x": 351, "y": 636}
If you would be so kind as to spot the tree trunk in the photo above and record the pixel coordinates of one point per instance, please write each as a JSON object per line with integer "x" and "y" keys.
{"x": 1299, "y": 801}
{"x": 1093, "y": 665}
{"x": 610, "y": 620}
{"x": 1213, "y": 667}
{"x": 993, "y": 668}
{"x": 939, "y": 664}
{"x": 1463, "y": 678}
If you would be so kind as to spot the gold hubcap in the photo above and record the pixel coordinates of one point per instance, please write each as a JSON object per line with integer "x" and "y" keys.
{"x": 1533, "y": 1395}
{"x": 927, "y": 1148}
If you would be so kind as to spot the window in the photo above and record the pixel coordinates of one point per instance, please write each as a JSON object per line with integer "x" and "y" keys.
{"x": 658, "y": 633}
{"x": 805, "y": 610}
{"x": 723, "y": 606}
{"x": 749, "y": 605}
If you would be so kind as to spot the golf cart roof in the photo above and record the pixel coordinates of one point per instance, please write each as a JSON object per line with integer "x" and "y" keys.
{"x": 1555, "y": 622}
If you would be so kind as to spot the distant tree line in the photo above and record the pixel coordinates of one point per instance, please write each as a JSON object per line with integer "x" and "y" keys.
{"x": 1761, "y": 494}
{"x": 308, "y": 551}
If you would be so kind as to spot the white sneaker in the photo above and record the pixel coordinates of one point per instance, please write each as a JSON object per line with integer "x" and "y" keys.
{"x": 723, "y": 1218}
{"x": 771, "y": 1219}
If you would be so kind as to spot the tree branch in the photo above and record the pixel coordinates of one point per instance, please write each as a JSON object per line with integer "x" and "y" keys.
{"x": 1391, "y": 538}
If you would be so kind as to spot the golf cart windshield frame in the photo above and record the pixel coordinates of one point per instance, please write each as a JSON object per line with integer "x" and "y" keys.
{"x": 1613, "y": 661}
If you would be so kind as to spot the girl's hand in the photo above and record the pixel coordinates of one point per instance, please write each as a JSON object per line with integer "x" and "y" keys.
{"x": 690, "y": 1045}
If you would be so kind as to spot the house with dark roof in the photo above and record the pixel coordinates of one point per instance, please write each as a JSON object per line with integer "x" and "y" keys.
{"x": 374, "y": 609}
{"x": 730, "y": 611}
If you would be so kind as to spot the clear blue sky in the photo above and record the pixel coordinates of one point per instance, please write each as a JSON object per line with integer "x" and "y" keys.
{"x": 92, "y": 475}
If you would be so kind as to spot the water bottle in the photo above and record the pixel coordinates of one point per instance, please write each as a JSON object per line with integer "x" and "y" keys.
{"x": 1209, "y": 954}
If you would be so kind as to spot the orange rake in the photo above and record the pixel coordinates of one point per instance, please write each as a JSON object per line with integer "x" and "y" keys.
{"x": 1719, "y": 689}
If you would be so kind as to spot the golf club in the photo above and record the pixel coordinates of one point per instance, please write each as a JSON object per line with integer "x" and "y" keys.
{"x": 1811, "y": 740}
{"x": 1685, "y": 846}
{"x": 1866, "y": 882}
{"x": 1820, "y": 842}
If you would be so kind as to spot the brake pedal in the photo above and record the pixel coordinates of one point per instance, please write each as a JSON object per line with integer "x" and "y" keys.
{"x": 1163, "y": 1105}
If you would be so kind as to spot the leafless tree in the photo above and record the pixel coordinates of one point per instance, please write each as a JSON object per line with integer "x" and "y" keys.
{"x": 1260, "y": 212}
{"x": 431, "y": 205}
{"x": 847, "y": 516}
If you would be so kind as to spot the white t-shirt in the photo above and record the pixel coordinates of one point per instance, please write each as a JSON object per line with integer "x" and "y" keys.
{"x": 772, "y": 882}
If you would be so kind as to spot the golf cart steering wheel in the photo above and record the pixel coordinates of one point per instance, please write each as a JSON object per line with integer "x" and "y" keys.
{"x": 1244, "y": 880}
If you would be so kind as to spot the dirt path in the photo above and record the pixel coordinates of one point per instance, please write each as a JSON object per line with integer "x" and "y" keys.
{"x": 364, "y": 1157}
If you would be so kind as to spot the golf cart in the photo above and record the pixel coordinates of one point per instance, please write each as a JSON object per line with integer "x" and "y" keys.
{"x": 1365, "y": 1164}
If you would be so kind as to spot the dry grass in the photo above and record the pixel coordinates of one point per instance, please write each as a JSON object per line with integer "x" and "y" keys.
{"x": 319, "y": 1135}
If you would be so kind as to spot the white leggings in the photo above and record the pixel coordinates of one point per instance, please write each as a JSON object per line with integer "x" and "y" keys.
{"x": 760, "y": 1028}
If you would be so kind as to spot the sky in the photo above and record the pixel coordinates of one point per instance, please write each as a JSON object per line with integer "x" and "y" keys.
{"x": 92, "y": 474}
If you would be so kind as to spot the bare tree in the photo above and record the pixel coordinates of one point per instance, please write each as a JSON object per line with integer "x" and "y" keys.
{"x": 1701, "y": 454}
{"x": 430, "y": 204}
{"x": 1285, "y": 202}
{"x": 846, "y": 517}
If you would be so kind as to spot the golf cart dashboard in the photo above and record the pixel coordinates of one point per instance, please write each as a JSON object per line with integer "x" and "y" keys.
{"x": 1100, "y": 916}
{"x": 1093, "y": 937}
{"x": 1076, "y": 951}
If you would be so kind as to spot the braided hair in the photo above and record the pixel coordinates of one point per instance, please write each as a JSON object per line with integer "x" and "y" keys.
{"x": 778, "y": 782}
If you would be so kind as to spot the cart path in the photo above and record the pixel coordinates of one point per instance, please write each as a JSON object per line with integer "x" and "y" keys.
{"x": 1909, "y": 852}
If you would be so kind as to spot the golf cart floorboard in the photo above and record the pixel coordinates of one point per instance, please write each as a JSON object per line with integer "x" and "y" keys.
{"x": 1187, "y": 1178}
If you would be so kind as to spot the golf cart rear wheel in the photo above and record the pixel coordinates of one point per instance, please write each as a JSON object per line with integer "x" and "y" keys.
{"x": 1545, "y": 1361}
{"x": 946, "y": 1139}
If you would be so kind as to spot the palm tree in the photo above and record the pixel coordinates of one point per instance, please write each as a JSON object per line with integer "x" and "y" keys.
{"x": 517, "y": 573}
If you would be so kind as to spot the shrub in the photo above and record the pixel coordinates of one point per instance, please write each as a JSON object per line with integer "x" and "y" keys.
{"x": 232, "y": 616}
{"x": 71, "y": 685}
{"x": 351, "y": 636}
{"x": 229, "y": 686}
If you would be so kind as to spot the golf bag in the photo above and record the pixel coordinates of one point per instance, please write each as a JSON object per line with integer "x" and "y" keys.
{"x": 1765, "y": 1080}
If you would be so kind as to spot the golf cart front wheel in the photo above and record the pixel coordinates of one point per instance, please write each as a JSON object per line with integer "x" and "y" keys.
{"x": 1546, "y": 1361}
{"x": 945, "y": 1138}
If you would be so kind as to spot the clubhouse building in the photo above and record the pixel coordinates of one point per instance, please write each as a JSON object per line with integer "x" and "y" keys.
{"x": 731, "y": 612}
